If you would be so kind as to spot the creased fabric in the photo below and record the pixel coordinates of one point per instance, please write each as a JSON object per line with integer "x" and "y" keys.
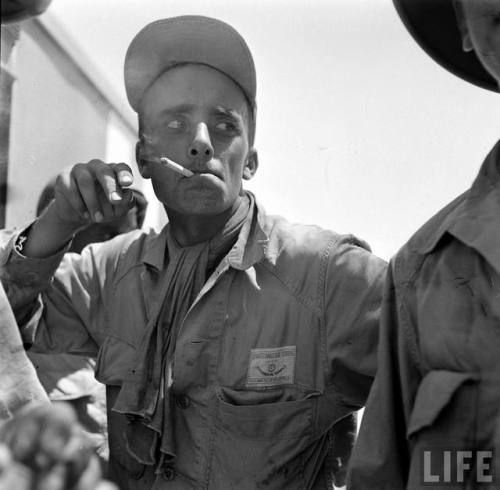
{"x": 282, "y": 286}
{"x": 438, "y": 375}
{"x": 146, "y": 392}
{"x": 19, "y": 384}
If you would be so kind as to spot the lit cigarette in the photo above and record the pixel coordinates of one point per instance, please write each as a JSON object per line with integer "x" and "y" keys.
{"x": 176, "y": 167}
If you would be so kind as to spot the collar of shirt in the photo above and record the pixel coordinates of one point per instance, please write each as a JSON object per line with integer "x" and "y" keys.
{"x": 474, "y": 218}
{"x": 249, "y": 248}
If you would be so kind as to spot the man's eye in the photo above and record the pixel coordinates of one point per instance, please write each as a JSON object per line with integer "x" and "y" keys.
{"x": 226, "y": 127}
{"x": 175, "y": 124}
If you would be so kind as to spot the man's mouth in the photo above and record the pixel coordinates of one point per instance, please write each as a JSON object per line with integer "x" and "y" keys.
{"x": 206, "y": 171}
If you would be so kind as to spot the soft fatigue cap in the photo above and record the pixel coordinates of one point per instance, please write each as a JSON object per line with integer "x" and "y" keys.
{"x": 433, "y": 24}
{"x": 166, "y": 43}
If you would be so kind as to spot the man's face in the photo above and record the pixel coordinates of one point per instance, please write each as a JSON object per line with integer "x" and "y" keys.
{"x": 479, "y": 21}
{"x": 197, "y": 117}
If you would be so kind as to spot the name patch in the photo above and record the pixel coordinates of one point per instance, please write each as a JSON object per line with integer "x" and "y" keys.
{"x": 271, "y": 367}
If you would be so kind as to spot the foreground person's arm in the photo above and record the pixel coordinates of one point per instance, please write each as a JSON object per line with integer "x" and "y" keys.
{"x": 19, "y": 383}
{"x": 380, "y": 460}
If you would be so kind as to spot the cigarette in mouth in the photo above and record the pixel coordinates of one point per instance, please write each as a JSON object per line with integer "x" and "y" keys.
{"x": 176, "y": 167}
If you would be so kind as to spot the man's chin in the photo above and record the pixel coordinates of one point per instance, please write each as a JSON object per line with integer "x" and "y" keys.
{"x": 207, "y": 207}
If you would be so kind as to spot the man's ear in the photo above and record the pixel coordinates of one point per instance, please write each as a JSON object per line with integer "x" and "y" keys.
{"x": 462, "y": 26}
{"x": 143, "y": 165}
{"x": 251, "y": 164}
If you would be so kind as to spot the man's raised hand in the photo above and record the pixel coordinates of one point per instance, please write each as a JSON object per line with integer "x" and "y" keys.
{"x": 86, "y": 193}
{"x": 93, "y": 192}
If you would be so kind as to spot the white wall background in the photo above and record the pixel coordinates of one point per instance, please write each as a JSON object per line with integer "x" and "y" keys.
{"x": 358, "y": 130}
{"x": 58, "y": 118}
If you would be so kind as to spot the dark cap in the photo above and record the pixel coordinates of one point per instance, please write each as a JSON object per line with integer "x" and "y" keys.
{"x": 166, "y": 43}
{"x": 433, "y": 24}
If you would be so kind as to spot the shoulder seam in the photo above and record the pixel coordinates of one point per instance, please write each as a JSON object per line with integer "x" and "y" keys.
{"x": 307, "y": 304}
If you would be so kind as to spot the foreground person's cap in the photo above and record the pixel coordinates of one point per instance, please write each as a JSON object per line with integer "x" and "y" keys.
{"x": 18, "y": 10}
{"x": 166, "y": 43}
{"x": 433, "y": 24}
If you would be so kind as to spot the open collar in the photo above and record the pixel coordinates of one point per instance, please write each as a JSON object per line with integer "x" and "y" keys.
{"x": 252, "y": 240}
{"x": 156, "y": 249}
{"x": 474, "y": 218}
{"x": 248, "y": 249}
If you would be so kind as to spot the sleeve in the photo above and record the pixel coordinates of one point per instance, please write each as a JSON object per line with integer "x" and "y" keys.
{"x": 353, "y": 295}
{"x": 19, "y": 384}
{"x": 23, "y": 278}
{"x": 381, "y": 456}
{"x": 56, "y": 300}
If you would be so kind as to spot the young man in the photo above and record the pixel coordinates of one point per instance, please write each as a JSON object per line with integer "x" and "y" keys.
{"x": 233, "y": 341}
{"x": 433, "y": 416}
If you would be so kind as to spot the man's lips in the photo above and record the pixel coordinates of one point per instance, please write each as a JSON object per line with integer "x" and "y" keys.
{"x": 206, "y": 171}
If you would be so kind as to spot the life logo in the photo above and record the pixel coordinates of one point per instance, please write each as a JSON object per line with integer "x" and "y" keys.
{"x": 466, "y": 468}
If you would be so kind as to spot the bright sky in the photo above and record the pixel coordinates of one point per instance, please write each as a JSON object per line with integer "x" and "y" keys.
{"x": 358, "y": 130}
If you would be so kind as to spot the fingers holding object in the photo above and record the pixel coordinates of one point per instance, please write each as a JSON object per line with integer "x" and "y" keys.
{"x": 87, "y": 189}
{"x": 123, "y": 173}
{"x": 101, "y": 188}
{"x": 67, "y": 193}
{"x": 112, "y": 177}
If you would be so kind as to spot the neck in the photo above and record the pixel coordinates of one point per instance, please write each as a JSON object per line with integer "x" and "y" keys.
{"x": 192, "y": 229}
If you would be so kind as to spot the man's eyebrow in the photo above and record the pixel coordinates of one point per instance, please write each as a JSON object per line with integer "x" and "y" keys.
{"x": 178, "y": 109}
{"x": 224, "y": 111}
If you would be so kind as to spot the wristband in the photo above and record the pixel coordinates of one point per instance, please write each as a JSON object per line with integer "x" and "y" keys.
{"x": 19, "y": 243}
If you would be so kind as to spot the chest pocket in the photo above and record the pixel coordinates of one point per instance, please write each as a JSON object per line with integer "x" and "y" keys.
{"x": 446, "y": 404}
{"x": 260, "y": 435}
{"x": 444, "y": 415}
{"x": 266, "y": 414}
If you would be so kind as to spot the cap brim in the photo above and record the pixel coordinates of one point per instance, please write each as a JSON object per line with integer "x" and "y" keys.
{"x": 166, "y": 43}
{"x": 433, "y": 24}
{"x": 12, "y": 11}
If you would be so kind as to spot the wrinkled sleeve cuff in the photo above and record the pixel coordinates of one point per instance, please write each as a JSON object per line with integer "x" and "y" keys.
{"x": 28, "y": 271}
{"x": 24, "y": 278}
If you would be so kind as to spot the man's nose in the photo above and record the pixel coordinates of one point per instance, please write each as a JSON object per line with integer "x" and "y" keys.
{"x": 201, "y": 146}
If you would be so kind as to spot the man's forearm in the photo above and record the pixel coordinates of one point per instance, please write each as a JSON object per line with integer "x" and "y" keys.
{"x": 29, "y": 260}
{"x": 48, "y": 235}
